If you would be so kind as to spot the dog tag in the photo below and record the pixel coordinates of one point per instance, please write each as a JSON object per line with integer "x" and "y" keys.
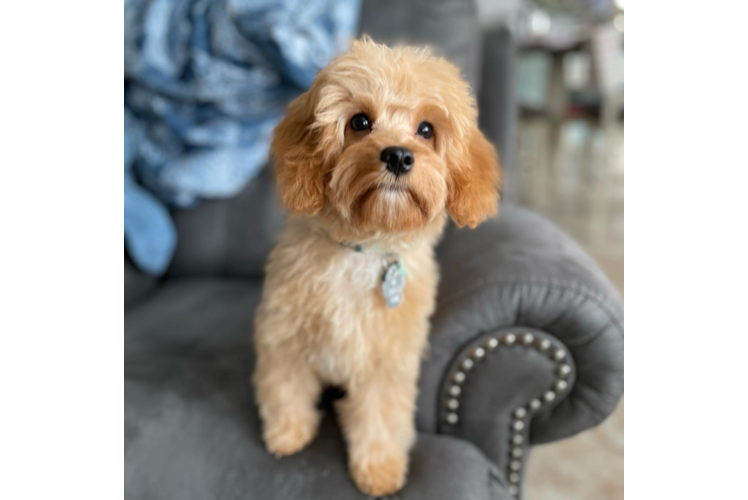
{"x": 393, "y": 283}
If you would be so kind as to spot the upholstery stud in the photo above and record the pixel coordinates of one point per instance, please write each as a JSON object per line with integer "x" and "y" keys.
{"x": 535, "y": 404}
{"x": 453, "y": 404}
{"x": 559, "y": 355}
{"x": 528, "y": 338}
{"x": 458, "y": 377}
{"x": 543, "y": 345}
{"x": 518, "y": 425}
{"x": 561, "y": 385}
{"x": 514, "y": 477}
{"x": 455, "y": 390}
{"x": 563, "y": 370}
{"x": 509, "y": 339}
{"x": 549, "y": 396}
{"x": 518, "y": 439}
{"x": 479, "y": 352}
{"x": 517, "y": 452}
{"x": 491, "y": 344}
{"x": 452, "y": 418}
{"x": 514, "y": 490}
{"x": 468, "y": 364}
{"x": 515, "y": 465}
{"x": 520, "y": 412}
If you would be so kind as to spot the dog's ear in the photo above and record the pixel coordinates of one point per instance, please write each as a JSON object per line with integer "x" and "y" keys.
{"x": 298, "y": 168}
{"x": 474, "y": 181}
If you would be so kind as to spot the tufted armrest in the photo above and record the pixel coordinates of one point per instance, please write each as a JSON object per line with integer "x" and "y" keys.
{"x": 524, "y": 318}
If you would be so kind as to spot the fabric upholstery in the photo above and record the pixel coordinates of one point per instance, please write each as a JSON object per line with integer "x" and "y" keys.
{"x": 521, "y": 270}
{"x": 229, "y": 237}
{"x": 425, "y": 22}
{"x": 192, "y": 429}
{"x": 137, "y": 283}
{"x": 505, "y": 379}
{"x": 497, "y": 101}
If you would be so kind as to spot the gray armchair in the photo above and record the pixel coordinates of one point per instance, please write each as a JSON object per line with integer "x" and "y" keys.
{"x": 526, "y": 344}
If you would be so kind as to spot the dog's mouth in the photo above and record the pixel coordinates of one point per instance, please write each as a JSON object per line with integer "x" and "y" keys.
{"x": 394, "y": 188}
{"x": 381, "y": 188}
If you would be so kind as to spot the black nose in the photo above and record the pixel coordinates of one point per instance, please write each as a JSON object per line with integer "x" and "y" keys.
{"x": 398, "y": 160}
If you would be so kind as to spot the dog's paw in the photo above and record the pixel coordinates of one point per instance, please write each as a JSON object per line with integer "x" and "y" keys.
{"x": 288, "y": 435}
{"x": 380, "y": 474}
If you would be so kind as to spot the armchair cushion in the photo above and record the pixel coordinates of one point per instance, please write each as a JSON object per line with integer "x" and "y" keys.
{"x": 192, "y": 429}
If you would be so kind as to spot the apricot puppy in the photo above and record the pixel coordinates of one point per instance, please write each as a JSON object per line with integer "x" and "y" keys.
{"x": 369, "y": 163}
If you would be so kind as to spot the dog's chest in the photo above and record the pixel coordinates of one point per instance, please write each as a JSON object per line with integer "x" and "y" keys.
{"x": 346, "y": 313}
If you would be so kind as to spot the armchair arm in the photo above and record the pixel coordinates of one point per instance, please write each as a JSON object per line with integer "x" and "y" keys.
{"x": 519, "y": 275}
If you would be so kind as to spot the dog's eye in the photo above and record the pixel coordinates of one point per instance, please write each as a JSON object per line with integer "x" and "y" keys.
{"x": 425, "y": 130}
{"x": 360, "y": 122}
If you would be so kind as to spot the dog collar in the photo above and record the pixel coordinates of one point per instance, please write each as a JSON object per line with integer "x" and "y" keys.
{"x": 393, "y": 273}
{"x": 356, "y": 247}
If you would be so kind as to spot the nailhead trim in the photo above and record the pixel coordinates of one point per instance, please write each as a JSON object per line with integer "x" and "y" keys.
{"x": 544, "y": 345}
{"x": 491, "y": 343}
{"x": 522, "y": 414}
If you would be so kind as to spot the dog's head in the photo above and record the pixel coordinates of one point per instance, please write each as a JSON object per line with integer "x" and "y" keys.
{"x": 386, "y": 140}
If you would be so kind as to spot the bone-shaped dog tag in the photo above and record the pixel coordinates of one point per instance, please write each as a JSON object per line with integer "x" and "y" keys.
{"x": 393, "y": 283}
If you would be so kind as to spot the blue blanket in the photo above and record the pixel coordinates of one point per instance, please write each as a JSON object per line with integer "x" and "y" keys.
{"x": 205, "y": 83}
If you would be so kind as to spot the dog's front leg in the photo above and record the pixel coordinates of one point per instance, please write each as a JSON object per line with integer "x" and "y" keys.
{"x": 378, "y": 421}
{"x": 287, "y": 391}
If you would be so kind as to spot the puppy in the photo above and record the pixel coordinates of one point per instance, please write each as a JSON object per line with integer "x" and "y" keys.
{"x": 369, "y": 163}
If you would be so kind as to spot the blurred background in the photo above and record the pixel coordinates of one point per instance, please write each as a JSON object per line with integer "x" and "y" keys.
{"x": 634, "y": 138}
